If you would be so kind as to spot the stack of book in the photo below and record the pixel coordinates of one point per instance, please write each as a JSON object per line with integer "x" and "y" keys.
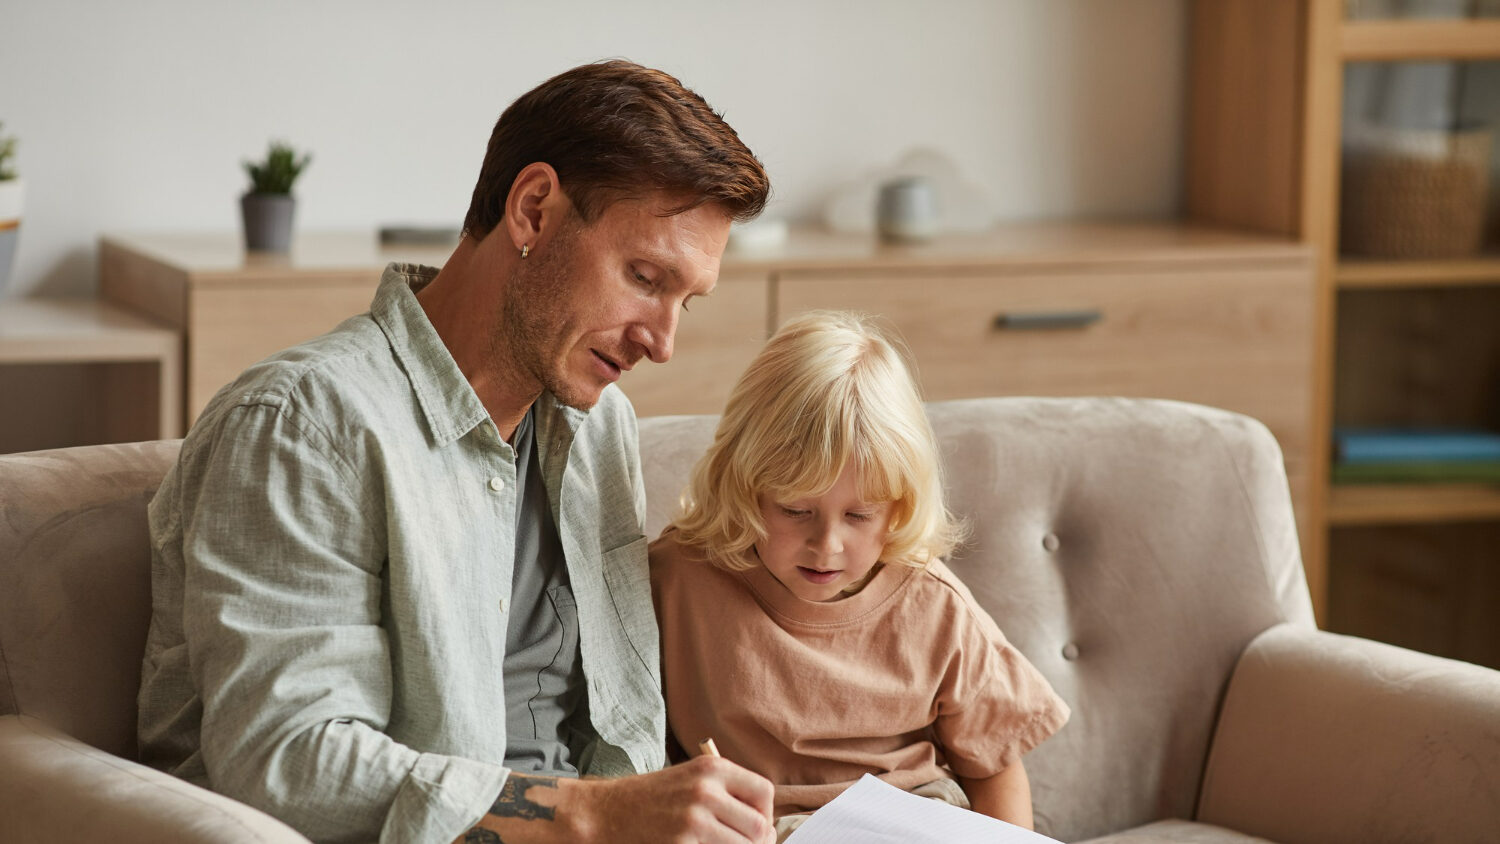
{"x": 1405, "y": 455}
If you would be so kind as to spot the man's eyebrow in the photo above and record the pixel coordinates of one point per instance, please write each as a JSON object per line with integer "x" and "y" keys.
{"x": 661, "y": 259}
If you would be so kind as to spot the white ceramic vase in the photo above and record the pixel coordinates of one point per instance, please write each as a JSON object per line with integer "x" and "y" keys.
{"x": 906, "y": 210}
{"x": 12, "y": 194}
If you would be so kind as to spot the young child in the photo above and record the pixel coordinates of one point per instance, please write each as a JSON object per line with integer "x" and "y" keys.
{"x": 808, "y": 625}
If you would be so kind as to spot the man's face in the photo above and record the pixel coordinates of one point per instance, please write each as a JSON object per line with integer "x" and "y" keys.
{"x": 597, "y": 298}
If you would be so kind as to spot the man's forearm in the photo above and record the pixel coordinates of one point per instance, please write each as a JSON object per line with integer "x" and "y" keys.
{"x": 525, "y": 811}
{"x": 515, "y": 800}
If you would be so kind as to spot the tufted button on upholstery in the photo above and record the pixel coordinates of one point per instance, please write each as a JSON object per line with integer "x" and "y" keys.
{"x": 1070, "y": 651}
{"x": 1050, "y": 542}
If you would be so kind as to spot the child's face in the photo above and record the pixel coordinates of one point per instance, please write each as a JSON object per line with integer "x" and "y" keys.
{"x": 817, "y": 547}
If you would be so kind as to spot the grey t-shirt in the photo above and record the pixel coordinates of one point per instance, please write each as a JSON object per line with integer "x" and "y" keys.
{"x": 542, "y": 675}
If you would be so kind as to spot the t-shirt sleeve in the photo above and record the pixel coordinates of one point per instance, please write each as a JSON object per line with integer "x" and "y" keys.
{"x": 993, "y": 705}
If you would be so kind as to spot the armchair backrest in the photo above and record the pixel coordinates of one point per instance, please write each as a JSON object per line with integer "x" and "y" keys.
{"x": 1130, "y": 548}
{"x": 75, "y": 586}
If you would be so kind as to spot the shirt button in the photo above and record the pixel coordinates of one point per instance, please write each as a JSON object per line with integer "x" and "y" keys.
{"x": 1070, "y": 651}
{"x": 504, "y": 605}
{"x": 1050, "y": 542}
{"x": 497, "y": 483}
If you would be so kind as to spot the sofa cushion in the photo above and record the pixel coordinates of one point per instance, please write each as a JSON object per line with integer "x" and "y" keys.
{"x": 75, "y": 586}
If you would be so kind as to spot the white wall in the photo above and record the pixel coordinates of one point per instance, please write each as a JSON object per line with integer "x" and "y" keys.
{"x": 135, "y": 115}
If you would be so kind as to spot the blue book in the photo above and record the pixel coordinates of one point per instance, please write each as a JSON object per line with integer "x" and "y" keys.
{"x": 1375, "y": 445}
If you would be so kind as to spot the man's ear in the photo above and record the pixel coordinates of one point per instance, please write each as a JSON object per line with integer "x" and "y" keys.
{"x": 536, "y": 205}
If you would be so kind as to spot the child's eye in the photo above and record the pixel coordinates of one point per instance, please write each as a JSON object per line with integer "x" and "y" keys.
{"x": 792, "y": 512}
{"x": 861, "y": 517}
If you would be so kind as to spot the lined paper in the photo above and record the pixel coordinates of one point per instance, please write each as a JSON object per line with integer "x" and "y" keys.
{"x": 874, "y": 812}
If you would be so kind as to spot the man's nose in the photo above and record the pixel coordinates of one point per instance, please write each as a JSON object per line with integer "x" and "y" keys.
{"x": 656, "y": 333}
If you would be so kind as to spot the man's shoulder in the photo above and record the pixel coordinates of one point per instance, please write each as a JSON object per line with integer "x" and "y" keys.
{"x": 350, "y": 359}
{"x": 345, "y": 378}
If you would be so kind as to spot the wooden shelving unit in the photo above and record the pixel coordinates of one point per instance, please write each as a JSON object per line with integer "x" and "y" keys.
{"x": 1395, "y": 504}
{"x": 1264, "y": 153}
{"x": 1355, "y": 274}
{"x": 1418, "y": 40}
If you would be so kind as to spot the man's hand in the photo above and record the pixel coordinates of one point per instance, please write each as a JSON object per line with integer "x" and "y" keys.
{"x": 705, "y": 801}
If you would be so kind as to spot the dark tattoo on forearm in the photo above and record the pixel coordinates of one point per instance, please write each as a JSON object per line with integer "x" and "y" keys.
{"x": 514, "y": 800}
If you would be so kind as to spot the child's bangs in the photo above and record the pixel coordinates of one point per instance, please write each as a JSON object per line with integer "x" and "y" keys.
{"x": 884, "y": 460}
{"x": 809, "y": 461}
{"x": 796, "y": 469}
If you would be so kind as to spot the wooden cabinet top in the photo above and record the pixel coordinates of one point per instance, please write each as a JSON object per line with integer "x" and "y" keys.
{"x": 209, "y": 257}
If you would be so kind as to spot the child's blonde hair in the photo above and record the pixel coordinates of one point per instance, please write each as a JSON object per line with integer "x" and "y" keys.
{"x": 829, "y": 388}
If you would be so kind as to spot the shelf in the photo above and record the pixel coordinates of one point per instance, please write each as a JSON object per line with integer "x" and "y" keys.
{"x": 131, "y": 374}
{"x": 1385, "y": 504}
{"x": 1416, "y": 40}
{"x": 80, "y": 330}
{"x": 1357, "y": 273}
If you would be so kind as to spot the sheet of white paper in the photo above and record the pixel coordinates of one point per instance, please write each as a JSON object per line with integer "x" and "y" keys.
{"x": 873, "y": 812}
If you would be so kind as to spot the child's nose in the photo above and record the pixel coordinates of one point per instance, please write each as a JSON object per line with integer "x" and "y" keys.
{"x": 827, "y": 540}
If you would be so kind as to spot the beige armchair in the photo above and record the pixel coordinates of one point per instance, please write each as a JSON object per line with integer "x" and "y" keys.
{"x": 1141, "y": 553}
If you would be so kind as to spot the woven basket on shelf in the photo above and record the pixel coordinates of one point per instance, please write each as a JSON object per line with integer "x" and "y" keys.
{"x": 1414, "y": 193}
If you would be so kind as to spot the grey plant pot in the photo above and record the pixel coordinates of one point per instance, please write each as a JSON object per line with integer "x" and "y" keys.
{"x": 268, "y": 221}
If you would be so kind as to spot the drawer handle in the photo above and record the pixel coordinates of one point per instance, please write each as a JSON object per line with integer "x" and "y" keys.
{"x": 1046, "y": 320}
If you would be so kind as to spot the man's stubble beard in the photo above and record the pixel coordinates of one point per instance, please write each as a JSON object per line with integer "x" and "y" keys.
{"x": 533, "y": 323}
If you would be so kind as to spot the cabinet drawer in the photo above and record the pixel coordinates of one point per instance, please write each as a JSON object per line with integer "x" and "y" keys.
{"x": 1239, "y": 339}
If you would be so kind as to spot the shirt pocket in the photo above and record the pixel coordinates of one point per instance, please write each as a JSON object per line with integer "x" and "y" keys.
{"x": 627, "y": 576}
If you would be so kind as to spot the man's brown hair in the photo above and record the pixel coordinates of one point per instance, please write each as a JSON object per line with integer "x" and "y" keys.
{"x": 613, "y": 130}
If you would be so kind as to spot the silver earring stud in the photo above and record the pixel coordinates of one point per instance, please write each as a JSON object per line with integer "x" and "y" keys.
{"x": 525, "y": 250}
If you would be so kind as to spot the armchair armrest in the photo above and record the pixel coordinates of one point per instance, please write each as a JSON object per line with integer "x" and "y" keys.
{"x": 56, "y": 788}
{"x": 1327, "y": 738}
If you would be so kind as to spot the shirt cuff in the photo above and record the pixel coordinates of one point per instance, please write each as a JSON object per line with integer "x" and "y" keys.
{"x": 443, "y": 797}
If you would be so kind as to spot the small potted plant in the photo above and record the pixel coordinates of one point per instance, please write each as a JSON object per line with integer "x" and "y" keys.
{"x": 11, "y": 193}
{"x": 269, "y": 205}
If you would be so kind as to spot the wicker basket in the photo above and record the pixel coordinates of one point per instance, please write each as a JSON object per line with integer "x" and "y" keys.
{"x": 1412, "y": 193}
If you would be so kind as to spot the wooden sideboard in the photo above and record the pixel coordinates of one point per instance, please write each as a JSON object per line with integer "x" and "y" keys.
{"x": 1161, "y": 309}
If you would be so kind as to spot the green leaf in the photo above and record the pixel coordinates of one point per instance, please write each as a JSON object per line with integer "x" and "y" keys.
{"x": 280, "y": 169}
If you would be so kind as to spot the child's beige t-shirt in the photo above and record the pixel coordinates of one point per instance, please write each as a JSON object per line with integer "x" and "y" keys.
{"x": 902, "y": 679}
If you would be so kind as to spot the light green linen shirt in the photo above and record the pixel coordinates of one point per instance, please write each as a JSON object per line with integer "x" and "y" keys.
{"x": 331, "y": 572}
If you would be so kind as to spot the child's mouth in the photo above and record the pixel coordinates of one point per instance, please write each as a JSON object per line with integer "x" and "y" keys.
{"x": 818, "y": 576}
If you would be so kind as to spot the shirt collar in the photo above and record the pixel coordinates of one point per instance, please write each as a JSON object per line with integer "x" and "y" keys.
{"x": 448, "y": 401}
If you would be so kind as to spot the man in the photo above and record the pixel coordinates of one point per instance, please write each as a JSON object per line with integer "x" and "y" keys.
{"x": 399, "y": 581}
